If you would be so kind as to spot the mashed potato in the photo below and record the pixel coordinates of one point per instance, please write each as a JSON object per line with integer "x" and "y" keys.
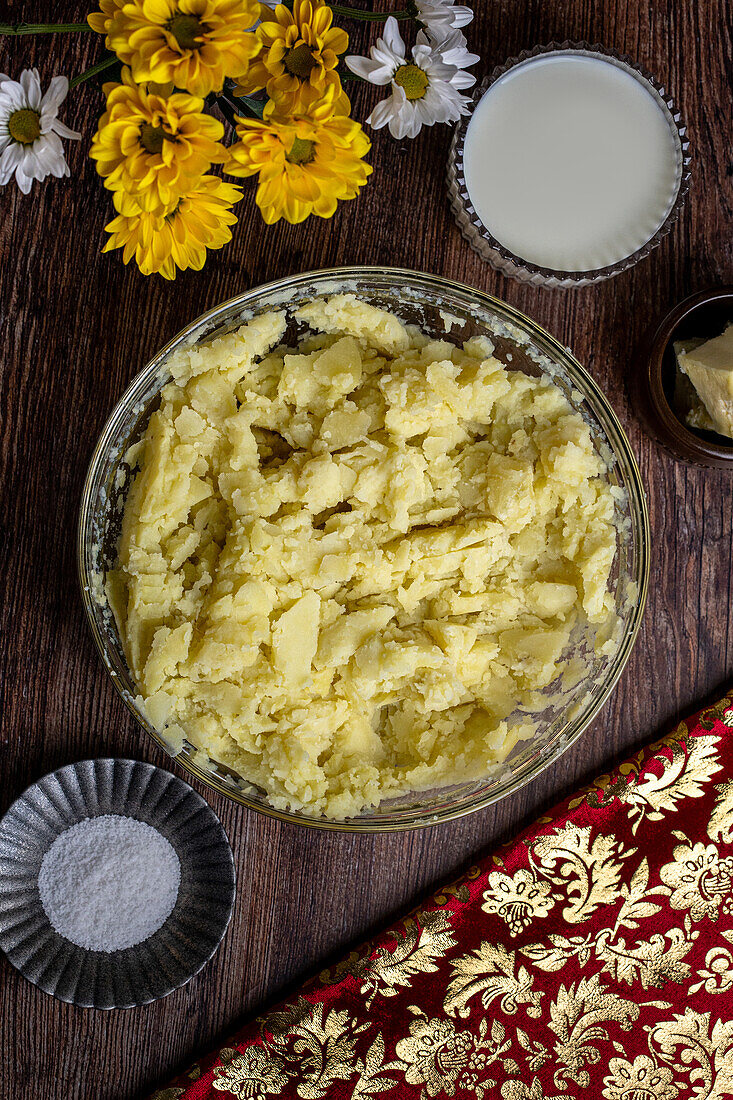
{"x": 344, "y": 565}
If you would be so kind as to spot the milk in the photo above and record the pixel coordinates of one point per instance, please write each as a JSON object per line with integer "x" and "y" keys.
{"x": 571, "y": 162}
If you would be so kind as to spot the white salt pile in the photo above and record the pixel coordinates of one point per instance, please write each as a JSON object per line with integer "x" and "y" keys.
{"x": 109, "y": 882}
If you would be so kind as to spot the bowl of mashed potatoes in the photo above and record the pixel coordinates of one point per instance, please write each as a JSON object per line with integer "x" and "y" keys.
{"x": 364, "y": 549}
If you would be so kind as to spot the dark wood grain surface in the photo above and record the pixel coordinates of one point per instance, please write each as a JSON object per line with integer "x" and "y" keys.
{"x": 74, "y": 328}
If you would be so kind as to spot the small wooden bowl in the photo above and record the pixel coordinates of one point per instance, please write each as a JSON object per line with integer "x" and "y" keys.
{"x": 705, "y": 314}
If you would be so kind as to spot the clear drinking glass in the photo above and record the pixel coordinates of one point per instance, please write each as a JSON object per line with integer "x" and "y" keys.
{"x": 443, "y": 309}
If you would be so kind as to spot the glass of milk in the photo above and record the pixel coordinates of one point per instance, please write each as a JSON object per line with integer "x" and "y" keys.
{"x": 571, "y": 167}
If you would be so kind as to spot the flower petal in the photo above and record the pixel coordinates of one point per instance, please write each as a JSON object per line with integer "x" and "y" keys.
{"x": 392, "y": 38}
{"x": 10, "y": 158}
{"x": 368, "y": 69}
{"x": 382, "y": 113}
{"x": 57, "y": 91}
{"x": 60, "y": 128}
{"x": 31, "y": 86}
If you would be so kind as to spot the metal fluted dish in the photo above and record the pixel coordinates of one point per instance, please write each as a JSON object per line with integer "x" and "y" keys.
{"x": 498, "y": 255}
{"x": 443, "y": 309}
{"x": 186, "y": 940}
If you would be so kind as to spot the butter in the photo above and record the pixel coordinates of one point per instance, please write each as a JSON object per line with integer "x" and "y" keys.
{"x": 710, "y": 369}
{"x": 687, "y": 404}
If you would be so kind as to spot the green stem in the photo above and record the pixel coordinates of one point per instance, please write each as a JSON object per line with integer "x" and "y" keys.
{"x": 42, "y": 28}
{"x": 233, "y": 107}
{"x": 367, "y": 16}
{"x": 98, "y": 68}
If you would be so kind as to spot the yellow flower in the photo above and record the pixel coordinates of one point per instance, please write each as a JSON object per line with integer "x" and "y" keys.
{"x": 296, "y": 51}
{"x": 306, "y": 164}
{"x": 99, "y": 21}
{"x": 153, "y": 144}
{"x": 194, "y": 44}
{"x": 179, "y": 238}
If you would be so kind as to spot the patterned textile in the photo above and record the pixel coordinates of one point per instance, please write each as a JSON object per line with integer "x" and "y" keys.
{"x": 591, "y": 956}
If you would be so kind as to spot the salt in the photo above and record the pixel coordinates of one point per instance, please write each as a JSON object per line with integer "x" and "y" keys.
{"x": 109, "y": 882}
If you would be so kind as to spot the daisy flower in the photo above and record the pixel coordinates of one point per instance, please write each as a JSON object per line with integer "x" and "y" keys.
{"x": 454, "y": 51}
{"x": 193, "y": 44}
{"x": 163, "y": 242}
{"x": 153, "y": 144}
{"x": 306, "y": 164}
{"x": 425, "y": 90}
{"x": 440, "y": 17}
{"x": 30, "y": 131}
{"x": 296, "y": 54}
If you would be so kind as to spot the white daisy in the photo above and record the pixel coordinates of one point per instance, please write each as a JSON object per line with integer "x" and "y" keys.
{"x": 30, "y": 132}
{"x": 440, "y": 17}
{"x": 425, "y": 90}
{"x": 454, "y": 51}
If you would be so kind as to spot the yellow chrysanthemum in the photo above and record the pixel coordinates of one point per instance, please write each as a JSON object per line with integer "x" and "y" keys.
{"x": 180, "y": 238}
{"x": 194, "y": 44}
{"x": 100, "y": 20}
{"x": 306, "y": 164}
{"x": 295, "y": 51}
{"x": 152, "y": 144}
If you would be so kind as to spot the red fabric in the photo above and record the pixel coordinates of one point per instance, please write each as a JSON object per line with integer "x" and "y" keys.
{"x": 592, "y": 956}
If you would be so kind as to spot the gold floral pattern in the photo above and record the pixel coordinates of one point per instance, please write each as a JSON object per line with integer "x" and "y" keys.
{"x": 576, "y": 1017}
{"x": 716, "y": 976}
{"x": 459, "y": 890}
{"x": 519, "y": 899}
{"x": 720, "y": 826}
{"x": 418, "y": 943}
{"x": 492, "y": 972}
{"x": 681, "y": 772}
{"x": 435, "y": 1054}
{"x": 310, "y": 1048}
{"x": 698, "y": 1048}
{"x": 641, "y": 1079}
{"x": 699, "y": 879}
{"x": 602, "y": 941}
{"x": 443, "y": 1059}
{"x": 518, "y": 1090}
{"x": 588, "y": 868}
{"x": 252, "y": 1075}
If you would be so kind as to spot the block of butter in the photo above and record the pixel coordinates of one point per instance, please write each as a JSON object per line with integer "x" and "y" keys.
{"x": 710, "y": 369}
{"x": 686, "y": 403}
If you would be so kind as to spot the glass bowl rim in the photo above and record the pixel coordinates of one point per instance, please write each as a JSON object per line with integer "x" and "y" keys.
{"x": 557, "y": 277}
{"x": 601, "y": 409}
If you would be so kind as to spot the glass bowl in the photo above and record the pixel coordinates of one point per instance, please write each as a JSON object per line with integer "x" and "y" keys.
{"x": 448, "y": 310}
{"x": 498, "y": 255}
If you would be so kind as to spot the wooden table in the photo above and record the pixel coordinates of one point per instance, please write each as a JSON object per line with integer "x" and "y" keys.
{"x": 77, "y": 325}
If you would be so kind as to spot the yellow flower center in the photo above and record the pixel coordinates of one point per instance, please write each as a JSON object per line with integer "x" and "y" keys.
{"x": 413, "y": 80}
{"x": 24, "y": 126}
{"x": 302, "y": 151}
{"x": 187, "y": 31}
{"x": 299, "y": 61}
{"x": 153, "y": 137}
